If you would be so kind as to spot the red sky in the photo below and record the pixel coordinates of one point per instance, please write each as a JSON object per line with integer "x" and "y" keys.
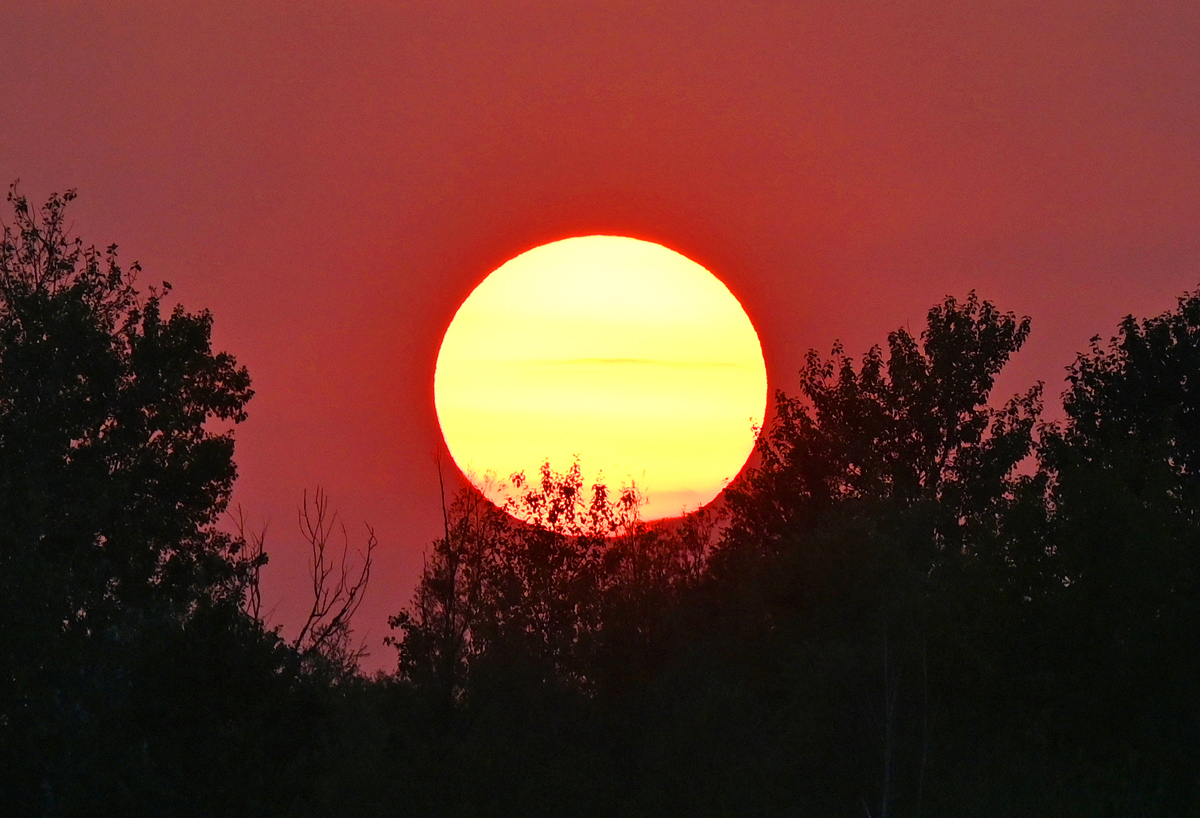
{"x": 332, "y": 179}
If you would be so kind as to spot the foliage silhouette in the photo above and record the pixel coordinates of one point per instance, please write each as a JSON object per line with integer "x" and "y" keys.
{"x": 535, "y": 581}
{"x": 916, "y": 603}
{"x": 916, "y": 426}
{"x": 126, "y": 655}
{"x": 110, "y": 471}
{"x": 1125, "y": 497}
{"x": 895, "y": 615}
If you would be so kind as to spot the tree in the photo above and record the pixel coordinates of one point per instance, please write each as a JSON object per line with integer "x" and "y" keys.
{"x": 116, "y": 459}
{"x": 323, "y": 643}
{"x": 889, "y": 532}
{"x": 1125, "y": 492}
{"x": 1126, "y": 465}
{"x": 519, "y": 584}
{"x": 532, "y": 637}
{"x": 539, "y": 587}
{"x": 1132, "y": 435}
{"x": 915, "y": 429}
{"x": 109, "y": 464}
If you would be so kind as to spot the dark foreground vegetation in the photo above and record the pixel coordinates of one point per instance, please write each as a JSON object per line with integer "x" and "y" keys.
{"x": 917, "y": 604}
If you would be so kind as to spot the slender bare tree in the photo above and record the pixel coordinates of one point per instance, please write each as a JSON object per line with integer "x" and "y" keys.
{"x": 337, "y": 586}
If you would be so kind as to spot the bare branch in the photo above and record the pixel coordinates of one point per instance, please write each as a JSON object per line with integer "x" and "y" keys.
{"x": 253, "y": 561}
{"x": 336, "y": 587}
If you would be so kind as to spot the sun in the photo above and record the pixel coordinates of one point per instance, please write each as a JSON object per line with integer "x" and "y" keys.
{"x": 621, "y": 353}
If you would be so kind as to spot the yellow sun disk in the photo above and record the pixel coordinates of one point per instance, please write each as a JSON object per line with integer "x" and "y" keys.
{"x": 622, "y": 352}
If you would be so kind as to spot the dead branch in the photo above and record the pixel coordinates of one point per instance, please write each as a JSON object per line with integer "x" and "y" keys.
{"x": 337, "y": 588}
{"x": 252, "y": 561}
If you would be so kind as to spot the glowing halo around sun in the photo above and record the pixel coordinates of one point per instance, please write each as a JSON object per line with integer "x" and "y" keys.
{"x": 619, "y": 352}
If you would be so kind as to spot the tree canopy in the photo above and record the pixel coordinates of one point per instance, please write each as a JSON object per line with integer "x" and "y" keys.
{"x": 116, "y": 460}
{"x": 919, "y": 600}
{"x": 111, "y": 472}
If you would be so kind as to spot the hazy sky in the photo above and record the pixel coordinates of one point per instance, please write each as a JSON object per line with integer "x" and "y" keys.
{"x": 332, "y": 179}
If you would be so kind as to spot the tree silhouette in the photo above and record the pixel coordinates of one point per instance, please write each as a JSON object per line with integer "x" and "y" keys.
{"x": 1125, "y": 495}
{"x": 915, "y": 429}
{"x": 916, "y": 603}
{"x": 323, "y": 642}
{"x": 520, "y": 586}
{"x": 888, "y": 524}
{"x": 543, "y": 586}
{"x": 110, "y": 469}
{"x": 114, "y": 468}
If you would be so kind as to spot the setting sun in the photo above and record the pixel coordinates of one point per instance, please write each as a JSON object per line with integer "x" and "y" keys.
{"x": 620, "y": 352}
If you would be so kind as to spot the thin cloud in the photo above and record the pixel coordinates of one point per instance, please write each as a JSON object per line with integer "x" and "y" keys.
{"x": 548, "y": 362}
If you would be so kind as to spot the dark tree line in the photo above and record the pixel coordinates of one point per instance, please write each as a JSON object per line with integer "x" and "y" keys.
{"x": 921, "y": 600}
{"x": 135, "y": 675}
